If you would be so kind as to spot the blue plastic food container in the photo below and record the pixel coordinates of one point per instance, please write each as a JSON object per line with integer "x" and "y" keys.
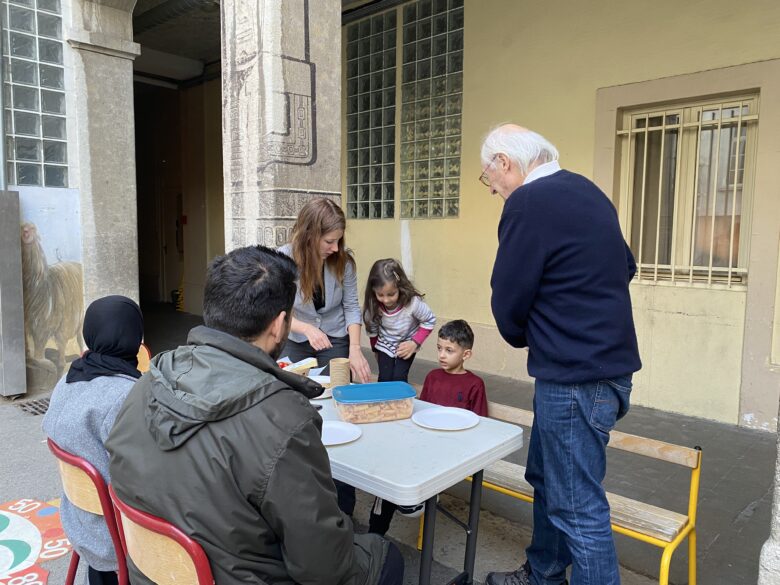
{"x": 377, "y": 402}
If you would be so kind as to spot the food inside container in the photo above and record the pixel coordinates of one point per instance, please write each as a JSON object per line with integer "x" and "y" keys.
{"x": 378, "y": 402}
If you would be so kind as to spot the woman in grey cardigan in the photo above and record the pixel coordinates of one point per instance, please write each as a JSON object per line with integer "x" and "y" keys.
{"x": 81, "y": 413}
{"x": 326, "y": 317}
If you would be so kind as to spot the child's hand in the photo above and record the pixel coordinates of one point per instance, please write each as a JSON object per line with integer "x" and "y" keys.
{"x": 406, "y": 349}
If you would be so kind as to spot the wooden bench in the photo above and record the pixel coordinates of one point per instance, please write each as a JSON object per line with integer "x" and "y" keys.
{"x": 663, "y": 528}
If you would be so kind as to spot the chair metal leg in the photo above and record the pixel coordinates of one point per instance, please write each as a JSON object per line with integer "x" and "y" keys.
{"x": 692, "y": 557}
{"x": 420, "y": 532}
{"x": 666, "y": 561}
{"x": 72, "y": 568}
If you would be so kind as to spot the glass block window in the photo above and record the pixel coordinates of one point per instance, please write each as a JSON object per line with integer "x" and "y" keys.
{"x": 371, "y": 95}
{"x": 34, "y": 98}
{"x": 431, "y": 105}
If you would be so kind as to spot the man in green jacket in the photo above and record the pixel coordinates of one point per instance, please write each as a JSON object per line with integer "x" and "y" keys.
{"x": 221, "y": 442}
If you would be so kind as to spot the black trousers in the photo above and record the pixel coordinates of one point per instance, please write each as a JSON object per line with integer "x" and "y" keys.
{"x": 96, "y": 577}
{"x": 380, "y": 523}
{"x": 299, "y": 351}
{"x": 393, "y": 369}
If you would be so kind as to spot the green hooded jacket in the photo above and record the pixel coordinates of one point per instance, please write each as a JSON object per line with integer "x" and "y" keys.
{"x": 221, "y": 442}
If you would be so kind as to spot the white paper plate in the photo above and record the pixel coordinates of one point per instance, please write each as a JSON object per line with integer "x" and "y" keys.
{"x": 323, "y": 380}
{"x": 445, "y": 419}
{"x": 336, "y": 432}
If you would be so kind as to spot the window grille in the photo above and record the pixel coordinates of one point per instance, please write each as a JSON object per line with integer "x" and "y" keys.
{"x": 686, "y": 180}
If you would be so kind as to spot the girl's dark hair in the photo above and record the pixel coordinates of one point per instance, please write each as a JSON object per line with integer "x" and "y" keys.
{"x": 382, "y": 272}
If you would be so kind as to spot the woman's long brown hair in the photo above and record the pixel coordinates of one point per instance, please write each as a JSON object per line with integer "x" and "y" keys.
{"x": 317, "y": 218}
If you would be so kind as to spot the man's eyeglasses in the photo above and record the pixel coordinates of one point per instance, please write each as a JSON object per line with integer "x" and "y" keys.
{"x": 483, "y": 178}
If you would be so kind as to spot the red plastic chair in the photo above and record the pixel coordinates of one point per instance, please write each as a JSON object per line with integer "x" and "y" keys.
{"x": 158, "y": 549}
{"x": 86, "y": 489}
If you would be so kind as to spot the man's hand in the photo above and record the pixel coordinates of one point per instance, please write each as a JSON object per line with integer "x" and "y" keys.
{"x": 317, "y": 339}
{"x": 406, "y": 349}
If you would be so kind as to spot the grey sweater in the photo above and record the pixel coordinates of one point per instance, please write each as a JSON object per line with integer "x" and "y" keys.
{"x": 342, "y": 306}
{"x": 79, "y": 419}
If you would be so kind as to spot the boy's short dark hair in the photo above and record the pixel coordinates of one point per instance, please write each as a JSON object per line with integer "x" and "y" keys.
{"x": 458, "y": 331}
{"x": 246, "y": 290}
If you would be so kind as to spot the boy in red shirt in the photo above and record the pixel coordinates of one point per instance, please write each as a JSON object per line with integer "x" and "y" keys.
{"x": 454, "y": 385}
{"x": 451, "y": 385}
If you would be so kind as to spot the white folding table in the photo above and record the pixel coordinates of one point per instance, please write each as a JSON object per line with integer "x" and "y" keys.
{"x": 406, "y": 464}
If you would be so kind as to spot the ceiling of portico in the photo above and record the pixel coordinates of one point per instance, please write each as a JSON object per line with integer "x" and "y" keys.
{"x": 182, "y": 36}
{"x": 184, "y": 28}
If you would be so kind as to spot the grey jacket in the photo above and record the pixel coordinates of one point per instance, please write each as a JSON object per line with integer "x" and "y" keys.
{"x": 342, "y": 306}
{"x": 79, "y": 418}
{"x": 218, "y": 440}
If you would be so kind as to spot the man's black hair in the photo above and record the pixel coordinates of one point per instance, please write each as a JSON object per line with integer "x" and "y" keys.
{"x": 246, "y": 290}
{"x": 458, "y": 331}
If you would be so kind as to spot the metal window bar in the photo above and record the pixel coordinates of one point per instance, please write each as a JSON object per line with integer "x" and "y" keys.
{"x": 695, "y": 197}
{"x": 715, "y": 192}
{"x": 734, "y": 192}
{"x": 642, "y": 200}
{"x": 685, "y": 125}
{"x": 676, "y": 195}
{"x": 660, "y": 195}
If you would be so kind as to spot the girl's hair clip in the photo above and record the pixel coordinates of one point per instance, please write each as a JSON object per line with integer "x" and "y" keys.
{"x": 395, "y": 275}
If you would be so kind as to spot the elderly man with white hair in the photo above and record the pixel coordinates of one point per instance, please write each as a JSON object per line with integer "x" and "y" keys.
{"x": 560, "y": 288}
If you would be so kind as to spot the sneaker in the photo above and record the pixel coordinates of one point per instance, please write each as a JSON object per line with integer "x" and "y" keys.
{"x": 411, "y": 511}
{"x": 520, "y": 577}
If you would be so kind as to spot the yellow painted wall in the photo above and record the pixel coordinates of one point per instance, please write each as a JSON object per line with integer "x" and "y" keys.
{"x": 215, "y": 203}
{"x": 203, "y": 204}
{"x": 540, "y": 64}
{"x": 690, "y": 340}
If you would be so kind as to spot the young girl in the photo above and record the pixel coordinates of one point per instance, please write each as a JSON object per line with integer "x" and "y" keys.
{"x": 397, "y": 322}
{"x": 397, "y": 319}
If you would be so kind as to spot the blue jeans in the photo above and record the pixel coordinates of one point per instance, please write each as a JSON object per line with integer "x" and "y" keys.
{"x": 566, "y": 465}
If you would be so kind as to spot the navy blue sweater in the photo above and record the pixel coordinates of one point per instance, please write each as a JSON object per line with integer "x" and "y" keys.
{"x": 560, "y": 281}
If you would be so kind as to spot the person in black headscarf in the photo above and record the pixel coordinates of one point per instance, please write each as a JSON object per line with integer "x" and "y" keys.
{"x": 82, "y": 410}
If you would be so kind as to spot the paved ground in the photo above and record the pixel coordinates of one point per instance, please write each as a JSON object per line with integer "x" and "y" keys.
{"x": 735, "y": 496}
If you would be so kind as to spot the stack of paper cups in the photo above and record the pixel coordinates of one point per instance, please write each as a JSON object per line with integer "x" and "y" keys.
{"x": 339, "y": 372}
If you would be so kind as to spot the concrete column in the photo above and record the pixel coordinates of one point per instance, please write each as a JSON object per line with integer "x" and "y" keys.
{"x": 769, "y": 563}
{"x": 281, "y": 114}
{"x": 102, "y": 38}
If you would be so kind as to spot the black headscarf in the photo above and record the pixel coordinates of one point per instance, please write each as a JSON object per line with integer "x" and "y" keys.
{"x": 113, "y": 331}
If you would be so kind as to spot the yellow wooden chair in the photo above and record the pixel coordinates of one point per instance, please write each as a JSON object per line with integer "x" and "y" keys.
{"x": 161, "y": 551}
{"x": 85, "y": 488}
{"x": 144, "y": 357}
